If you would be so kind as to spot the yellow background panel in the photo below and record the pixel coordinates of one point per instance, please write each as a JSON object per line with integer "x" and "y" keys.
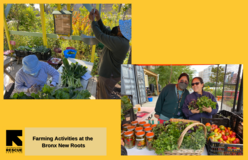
{"x": 163, "y": 32}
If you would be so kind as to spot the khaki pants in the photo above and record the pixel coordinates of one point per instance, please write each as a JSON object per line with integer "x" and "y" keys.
{"x": 105, "y": 86}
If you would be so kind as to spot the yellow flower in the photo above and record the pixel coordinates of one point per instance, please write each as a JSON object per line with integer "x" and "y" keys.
{"x": 27, "y": 14}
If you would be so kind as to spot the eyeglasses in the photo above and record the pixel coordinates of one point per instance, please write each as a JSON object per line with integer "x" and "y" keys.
{"x": 186, "y": 82}
{"x": 197, "y": 83}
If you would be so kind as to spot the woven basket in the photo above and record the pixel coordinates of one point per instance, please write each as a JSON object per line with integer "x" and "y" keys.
{"x": 183, "y": 120}
{"x": 180, "y": 140}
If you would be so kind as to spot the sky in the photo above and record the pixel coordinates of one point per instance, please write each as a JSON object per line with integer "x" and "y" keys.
{"x": 198, "y": 68}
{"x": 37, "y": 6}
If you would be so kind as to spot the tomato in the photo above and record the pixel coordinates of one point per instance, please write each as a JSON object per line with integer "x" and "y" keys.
{"x": 234, "y": 147}
{"x": 224, "y": 137}
{"x": 207, "y": 124}
{"x": 222, "y": 127}
{"x": 233, "y": 133}
{"x": 234, "y": 142}
{"x": 222, "y": 132}
{"x": 232, "y": 136}
{"x": 237, "y": 140}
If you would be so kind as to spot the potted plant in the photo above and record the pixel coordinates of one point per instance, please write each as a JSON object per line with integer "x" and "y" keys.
{"x": 20, "y": 51}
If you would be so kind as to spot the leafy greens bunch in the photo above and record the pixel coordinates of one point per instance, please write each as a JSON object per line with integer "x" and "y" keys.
{"x": 72, "y": 73}
{"x": 48, "y": 92}
{"x": 200, "y": 102}
{"x": 20, "y": 95}
{"x": 167, "y": 135}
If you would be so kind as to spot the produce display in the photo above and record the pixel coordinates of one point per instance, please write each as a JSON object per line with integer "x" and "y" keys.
{"x": 48, "y": 92}
{"x": 200, "y": 102}
{"x": 20, "y": 95}
{"x": 72, "y": 73}
{"x": 222, "y": 134}
{"x": 166, "y": 137}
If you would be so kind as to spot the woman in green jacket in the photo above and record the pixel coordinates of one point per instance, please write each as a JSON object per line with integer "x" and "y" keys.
{"x": 171, "y": 99}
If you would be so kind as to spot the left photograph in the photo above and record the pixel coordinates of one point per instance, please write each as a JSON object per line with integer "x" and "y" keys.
{"x": 65, "y": 51}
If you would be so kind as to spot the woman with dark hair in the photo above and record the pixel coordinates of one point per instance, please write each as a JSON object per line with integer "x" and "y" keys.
{"x": 171, "y": 99}
{"x": 197, "y": 86}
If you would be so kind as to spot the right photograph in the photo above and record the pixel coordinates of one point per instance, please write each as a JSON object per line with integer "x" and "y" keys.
{"x": 178, "y": 109}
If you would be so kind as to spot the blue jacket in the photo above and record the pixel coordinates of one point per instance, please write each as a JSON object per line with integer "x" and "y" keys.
{"x": 194, "y": 96}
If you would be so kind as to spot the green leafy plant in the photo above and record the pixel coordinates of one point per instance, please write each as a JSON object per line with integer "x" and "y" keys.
{"x": 126, "y": 103}
{"x": 20, "y": 95}
{"x": 72, "y": 73}
{"x": 48, "y": 92}
{"x": 167, "y": 135}
{"x": 200, "y": 102}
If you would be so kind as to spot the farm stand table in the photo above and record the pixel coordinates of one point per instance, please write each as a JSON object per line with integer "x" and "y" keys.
{"x": 90, "y": 84}
{"x": 145, "y": 151}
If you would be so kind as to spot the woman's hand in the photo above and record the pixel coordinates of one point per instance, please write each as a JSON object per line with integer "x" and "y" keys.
{"x": 156, "y": 116}
{"x": 91, "y": 15}
{"x": 205, "y": 109}
{"x": 97, "y": 15}
{"x": 122, "y": 143}
{"x": 195, "y": 111}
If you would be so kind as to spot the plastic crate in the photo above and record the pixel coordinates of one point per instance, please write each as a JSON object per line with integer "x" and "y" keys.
{"x": 20, "y": 53}
{"x": 216, "y": 148}
{"x": 235, "y": 121}
{"x": 217, "y": 121}
{"x": 217, "y": 116}
{"x": 46, "y": 55}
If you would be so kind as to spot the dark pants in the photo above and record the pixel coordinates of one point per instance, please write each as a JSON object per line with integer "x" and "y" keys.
{"x": 105, "y": 86}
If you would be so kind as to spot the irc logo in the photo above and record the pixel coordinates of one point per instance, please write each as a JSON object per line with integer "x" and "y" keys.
{"x": 12, "y": 136}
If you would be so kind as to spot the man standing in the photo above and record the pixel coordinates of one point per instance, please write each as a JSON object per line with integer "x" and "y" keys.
{"x": 116, "y": 46}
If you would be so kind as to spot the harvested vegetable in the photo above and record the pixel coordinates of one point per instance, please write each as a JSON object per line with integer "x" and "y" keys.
{"x": 20, "y": 95}
{"x": 72, "y": 73}
{"x": 167, "y": 136}
{"x": 48, "y": 92}
{"x": 200, "y": 102}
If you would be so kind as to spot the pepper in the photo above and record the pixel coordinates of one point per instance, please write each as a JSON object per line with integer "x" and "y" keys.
{"x": 216, "y": 131}
{"x": 212, "y": 134}
{"x": 211, "y": 137}
{"x": 232, "y": 139}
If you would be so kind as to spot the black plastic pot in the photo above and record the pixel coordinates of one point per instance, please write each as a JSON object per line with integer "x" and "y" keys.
{"x": 20, "y": 53}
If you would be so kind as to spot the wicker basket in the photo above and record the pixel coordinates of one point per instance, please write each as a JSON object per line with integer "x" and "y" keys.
{"x": 183, "y": 120}
{"x": 180, "y": 140}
